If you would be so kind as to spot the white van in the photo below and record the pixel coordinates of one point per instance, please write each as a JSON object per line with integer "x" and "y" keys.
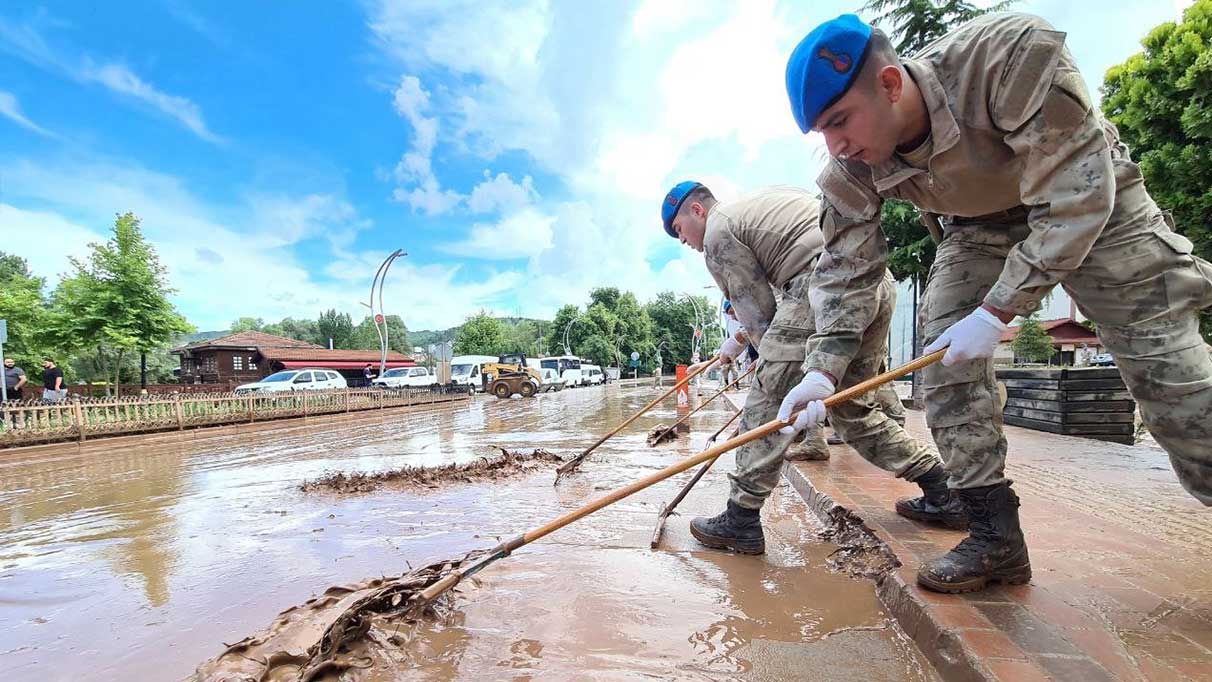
{"x": 568, "y": 367}
{"x": 465, "y": 370}
{"x": 592, "y": 375}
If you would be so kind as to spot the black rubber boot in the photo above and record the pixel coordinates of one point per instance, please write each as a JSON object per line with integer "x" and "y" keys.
{"x": 736, "y": 528}
{"x": 993, "y": 552}
{"x": 834, "y": 439}
{"x": 938, "y": 504}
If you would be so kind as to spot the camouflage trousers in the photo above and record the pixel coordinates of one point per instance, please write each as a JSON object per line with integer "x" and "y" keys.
{"x": 1141, "y": 286}
{"x": 861, "y": 422}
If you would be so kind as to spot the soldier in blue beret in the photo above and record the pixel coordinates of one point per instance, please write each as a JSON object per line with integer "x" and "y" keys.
{"x": 760, "y": 249}
{"x": 991, "y": 133}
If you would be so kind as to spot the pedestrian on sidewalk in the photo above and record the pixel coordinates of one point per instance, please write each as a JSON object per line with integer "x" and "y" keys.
{"x": 52, "y": 381}
{"x": 368, "y": 373}
{"x": 991, "y": 133}
{"x": 755, "y": 246}
{"x": 14, "y": 383}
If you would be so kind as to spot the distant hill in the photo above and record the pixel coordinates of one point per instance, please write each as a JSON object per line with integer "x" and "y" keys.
{"x": 426, "y": 337}
{"x": 199, "y": 336}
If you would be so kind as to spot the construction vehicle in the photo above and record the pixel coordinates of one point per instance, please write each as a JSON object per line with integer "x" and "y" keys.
{"x": 509, "y": 375}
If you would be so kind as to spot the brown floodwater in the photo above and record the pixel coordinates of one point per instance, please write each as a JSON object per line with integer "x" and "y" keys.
{"x": 136, "y": 559}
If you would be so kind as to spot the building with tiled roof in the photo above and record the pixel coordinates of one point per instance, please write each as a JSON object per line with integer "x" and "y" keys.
{"x": 251, "y": 355}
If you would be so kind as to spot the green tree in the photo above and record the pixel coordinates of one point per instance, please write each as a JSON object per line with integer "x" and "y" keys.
{"x": 366, "y": 337}
{"x": 577, "y": 333}
{"x": 522, "y": 337}
{"x": 247, "y": 324}
{"x": 335, "y": 326}
{"x": 1032, "y": 341}
{"x": 299, "y": 330}
{"x": 24, "y": 307}
{"x": 1161, "y": 101}
{"x": 673, "y": 319}
{"x": 481, "y": 334}
{"x": 116, "y": 302}
{"x": 914, "y": 24}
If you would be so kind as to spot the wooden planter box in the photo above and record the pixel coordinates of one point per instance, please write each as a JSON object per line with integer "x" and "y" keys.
{"x": 1092, "y": 403}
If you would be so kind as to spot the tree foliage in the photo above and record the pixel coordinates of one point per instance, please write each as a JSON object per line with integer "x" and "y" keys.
{"x": 115, "y": 302}
{"x": 23, "y": 306}
{"x": 337, "y": 327}
{"x": 1032, "y": 341}
{"x": 914, "y": 24}
{"x": 1161, "y": 101}
{"x": 366, "y": 337}
{"x": 481, "y": 334}
{"x": 673, "y": 319}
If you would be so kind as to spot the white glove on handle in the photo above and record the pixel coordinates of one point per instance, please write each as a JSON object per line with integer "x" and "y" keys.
{"x": 729, "y": 350}
{"x": 973, "y": 338}
{"x": 814, "y": 388}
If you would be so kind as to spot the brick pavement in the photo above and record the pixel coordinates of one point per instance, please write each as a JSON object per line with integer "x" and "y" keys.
{"x": 1122, "y": 560}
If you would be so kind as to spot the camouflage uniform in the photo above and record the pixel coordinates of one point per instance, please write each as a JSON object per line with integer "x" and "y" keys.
{"x": 768, "y": 241}
{"x": 1034, "y": 189}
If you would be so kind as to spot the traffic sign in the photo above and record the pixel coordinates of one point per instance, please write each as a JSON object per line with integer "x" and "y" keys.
{"x": 635, "y": 355}
{"x": 378, "y": 318}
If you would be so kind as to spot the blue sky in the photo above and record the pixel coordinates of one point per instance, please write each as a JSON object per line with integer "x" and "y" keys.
{"x": 517, "y": 151}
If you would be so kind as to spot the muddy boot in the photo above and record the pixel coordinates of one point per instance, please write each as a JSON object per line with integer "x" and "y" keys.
{"x": 994, "y": 550}
{"x": 812, "y": 449}
{"x": 736, "y": 528}
{"x": 938, "y": 503}
{"x": 834, "y": 439}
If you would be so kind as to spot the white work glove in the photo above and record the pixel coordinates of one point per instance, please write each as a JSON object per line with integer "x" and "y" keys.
{"x": 729, "y": 350}
{"x": 973, "y": 338}
{"x": 814, "y": 388}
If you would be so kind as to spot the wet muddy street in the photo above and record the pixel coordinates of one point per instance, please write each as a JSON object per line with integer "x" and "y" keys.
{"x": 136, "y": 559}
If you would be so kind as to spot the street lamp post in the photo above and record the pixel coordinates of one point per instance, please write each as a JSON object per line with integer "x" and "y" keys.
{"x": 568, "y": 328}
{"x": 697, "y": 327}
{"x": 379, "y": 318}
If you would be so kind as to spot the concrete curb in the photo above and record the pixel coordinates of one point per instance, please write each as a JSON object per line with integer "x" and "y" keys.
{"x": 942, "y": 645}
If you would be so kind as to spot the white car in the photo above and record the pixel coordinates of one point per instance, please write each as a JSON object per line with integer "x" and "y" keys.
{"x": 405, "y": 376}
{"x": 592, "y": 375}
{"x": 312, "y": 379}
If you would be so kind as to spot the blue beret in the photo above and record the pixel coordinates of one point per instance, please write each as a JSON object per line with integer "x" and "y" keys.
{"x": 727, "y": 305}
{"x": 823, "y": 66}
{"x": 673, "y": 202}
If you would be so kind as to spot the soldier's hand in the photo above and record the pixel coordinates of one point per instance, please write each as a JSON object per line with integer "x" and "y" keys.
{"x": 973, "y": 338}
{"x": 729, "y": 350}
{"x": 814, "y": 388}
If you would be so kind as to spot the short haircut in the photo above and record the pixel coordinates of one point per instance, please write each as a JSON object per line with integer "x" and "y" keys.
{"x": 700, "y": 194}
{"x": 879, "y": 53}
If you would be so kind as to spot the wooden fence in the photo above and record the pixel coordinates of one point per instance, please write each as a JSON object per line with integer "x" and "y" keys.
{"x": 79, "y": 418}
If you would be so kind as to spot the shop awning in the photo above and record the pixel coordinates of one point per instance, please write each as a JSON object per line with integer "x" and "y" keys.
{"x": 329, "y": 364}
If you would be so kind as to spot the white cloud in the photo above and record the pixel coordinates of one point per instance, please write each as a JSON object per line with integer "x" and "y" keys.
{"x": 25, "y": 42}
{"x": 228, "y": 261}
{"x": 10, "y": 109}
{"x": 501, "y": 193}
{"x": 419, "y": 188}
{"x": 523, "y": 234}
{"x": 123, "y": 81}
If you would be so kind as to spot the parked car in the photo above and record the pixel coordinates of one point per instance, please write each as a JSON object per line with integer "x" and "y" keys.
{"x": 405, "y": 376}
{"x": 592, "y": 375}
{"x": 1103, "y": 360}
{"x": 310, "y": 379}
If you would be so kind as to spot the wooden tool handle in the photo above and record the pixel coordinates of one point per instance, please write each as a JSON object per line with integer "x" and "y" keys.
{"x": 730, "y": 444}
{"x": 576, "y": 461}
{"x": 703, "y": 404}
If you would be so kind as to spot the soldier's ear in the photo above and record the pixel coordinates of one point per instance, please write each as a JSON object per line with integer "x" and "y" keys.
{"x": 890, "y": 81}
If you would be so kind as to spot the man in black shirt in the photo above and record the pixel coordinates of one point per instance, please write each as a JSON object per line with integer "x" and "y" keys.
{"x": 52, "y": 381}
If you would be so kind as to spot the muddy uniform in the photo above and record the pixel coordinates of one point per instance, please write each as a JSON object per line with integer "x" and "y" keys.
{"x": 1034, "y": 189}
{"x": 769, "y": 241}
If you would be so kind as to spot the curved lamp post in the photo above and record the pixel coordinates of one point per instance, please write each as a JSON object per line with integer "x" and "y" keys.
{"x": 379, "y": 318}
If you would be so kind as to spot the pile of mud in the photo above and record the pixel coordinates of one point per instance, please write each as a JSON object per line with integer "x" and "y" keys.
{"x": 366, "y": 631}
{"x": 661, "y": 434}
{"x": 483, "y": 469}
